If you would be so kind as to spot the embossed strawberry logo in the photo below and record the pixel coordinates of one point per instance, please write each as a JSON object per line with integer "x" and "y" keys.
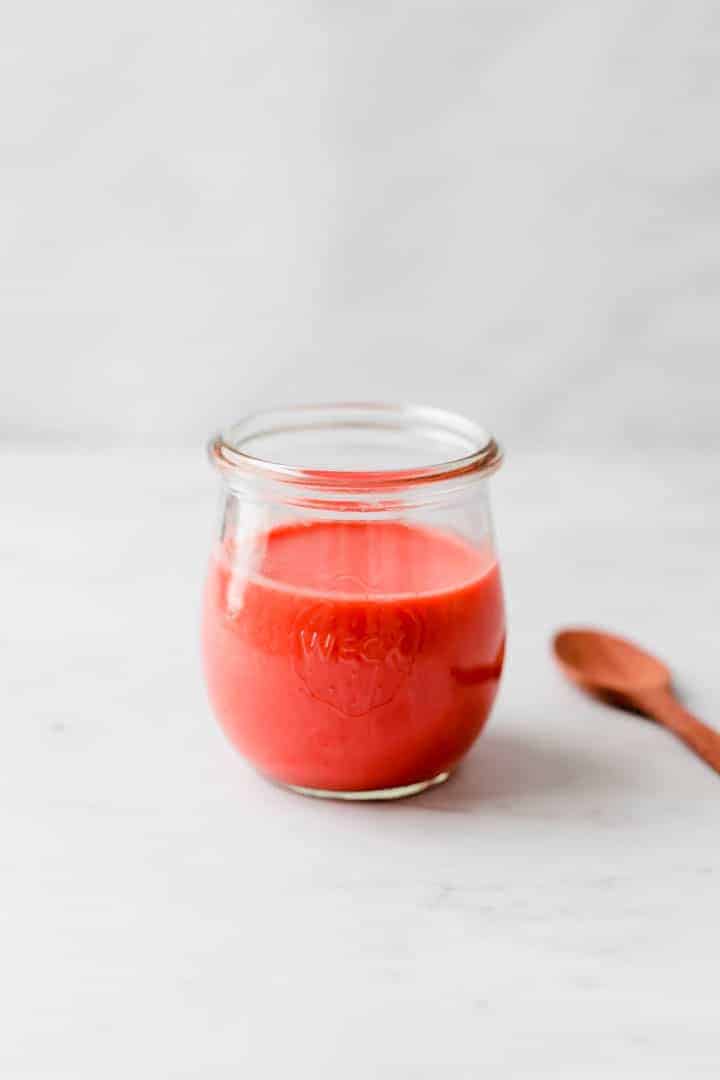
{"x": 355, "y": 658}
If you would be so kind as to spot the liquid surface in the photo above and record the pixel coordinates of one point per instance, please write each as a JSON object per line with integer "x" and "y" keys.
{"x": 375, "y": 559}
{"x": 353, "y": 656}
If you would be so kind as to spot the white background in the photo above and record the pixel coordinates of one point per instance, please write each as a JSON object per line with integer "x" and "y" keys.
{"x": 508, "y": 208}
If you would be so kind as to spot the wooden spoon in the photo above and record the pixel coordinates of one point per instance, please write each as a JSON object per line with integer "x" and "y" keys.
{"x": 623, "y": 674}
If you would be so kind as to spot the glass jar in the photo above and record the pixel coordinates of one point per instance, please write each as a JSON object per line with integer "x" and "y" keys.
{"x": 353, "y": 626}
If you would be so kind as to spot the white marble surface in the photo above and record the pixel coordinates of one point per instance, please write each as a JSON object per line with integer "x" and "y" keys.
{"x": 551, "y": 912}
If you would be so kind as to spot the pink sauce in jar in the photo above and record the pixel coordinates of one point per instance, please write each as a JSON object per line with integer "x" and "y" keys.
{"x": 354, "y": 656}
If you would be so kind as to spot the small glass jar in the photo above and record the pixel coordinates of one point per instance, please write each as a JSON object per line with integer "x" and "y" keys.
{"x": 353, "y": 626}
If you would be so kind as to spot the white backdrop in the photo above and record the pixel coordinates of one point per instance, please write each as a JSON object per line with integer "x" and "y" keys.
{"x": 510, "y": 208}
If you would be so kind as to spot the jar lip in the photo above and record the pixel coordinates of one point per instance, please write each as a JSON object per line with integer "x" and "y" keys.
{"x": 483, "y": 456}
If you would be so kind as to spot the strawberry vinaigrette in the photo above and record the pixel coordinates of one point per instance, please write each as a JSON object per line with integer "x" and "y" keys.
{"x": 353, "y": 656}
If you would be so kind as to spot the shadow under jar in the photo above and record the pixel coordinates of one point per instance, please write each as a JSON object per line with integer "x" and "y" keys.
{"x": 353, "y": 626}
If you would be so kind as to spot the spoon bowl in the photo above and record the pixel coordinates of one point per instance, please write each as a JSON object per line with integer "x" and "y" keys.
{"x": 604, "y": 663}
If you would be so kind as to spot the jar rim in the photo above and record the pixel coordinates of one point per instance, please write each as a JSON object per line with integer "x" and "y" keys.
{"x": 228, "y": 450}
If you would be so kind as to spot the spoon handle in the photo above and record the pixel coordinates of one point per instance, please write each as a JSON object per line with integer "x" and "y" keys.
{"x": 667, "y": 710}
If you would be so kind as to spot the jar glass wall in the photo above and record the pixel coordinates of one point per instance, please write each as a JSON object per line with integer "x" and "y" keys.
{"x": 353, "y": 627}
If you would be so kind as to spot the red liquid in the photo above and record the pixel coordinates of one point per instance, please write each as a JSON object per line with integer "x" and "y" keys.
{"x": 356, "y": 656}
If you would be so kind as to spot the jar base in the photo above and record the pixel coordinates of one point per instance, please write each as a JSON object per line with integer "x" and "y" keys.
{"x": 377, "y": 795}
